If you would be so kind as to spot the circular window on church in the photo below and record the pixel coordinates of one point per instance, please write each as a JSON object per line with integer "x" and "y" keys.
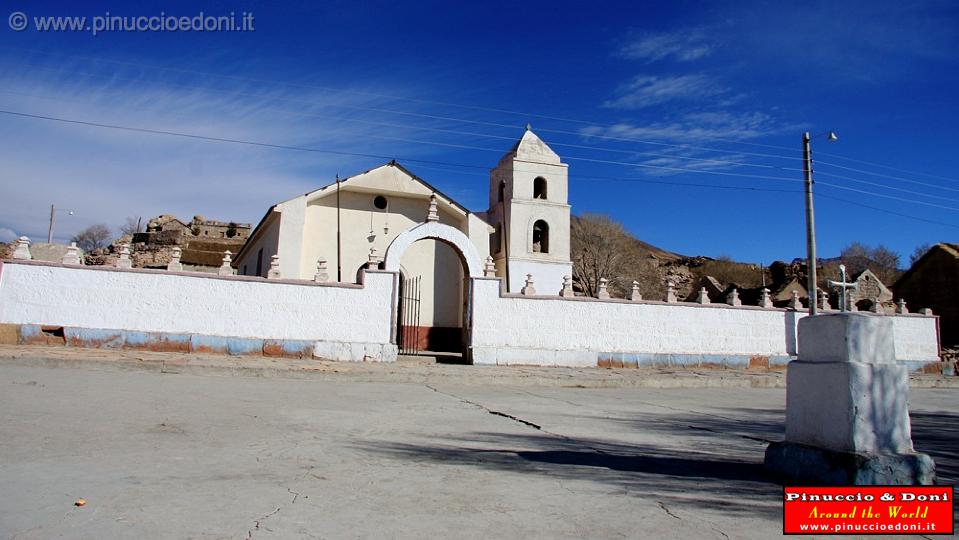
{"x": 380, "y": 202}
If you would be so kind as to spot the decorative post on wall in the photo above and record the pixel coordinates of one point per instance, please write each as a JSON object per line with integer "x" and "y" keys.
{"x": 602, "y": 293}
{"x": 175, "y": 265}
{"x": 22, "y": 251}
{"x": 489, "y": 269}
{"x": 764, "y": 299}
{"x": 901, "y": 307}
{"x": 274, "y": 272}
{"x": 567, "y": 290}
{"x": 823, "y": 301}
{"x": 124, "y": 260}
{"x": 529, "y": 289}
{"x": 733, "y": 299}
{"x": 432, "y": 214}
{"x": 670, "y": 292}
{"x": 703, "y": 296}
{"x": 225, "y": 266}
{"x": 72, "y": 256}
{"x": 321, "y": 271}
{"x": 634, "y": 294}
{"x": 794, "y": 302}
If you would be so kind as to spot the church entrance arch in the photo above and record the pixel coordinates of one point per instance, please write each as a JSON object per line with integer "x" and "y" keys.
{"x": 435, "y": 263}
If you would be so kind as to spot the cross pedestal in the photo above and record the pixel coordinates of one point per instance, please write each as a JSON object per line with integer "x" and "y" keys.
{"x": 847, "y": 415}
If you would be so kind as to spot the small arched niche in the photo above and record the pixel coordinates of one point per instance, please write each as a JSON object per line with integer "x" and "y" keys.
{"x": 540, "y": 237}
{"x": 539, "y": 188}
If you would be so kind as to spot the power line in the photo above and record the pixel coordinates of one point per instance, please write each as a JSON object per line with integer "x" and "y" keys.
{"x": 939, "y": 186}
{"x": 451, "y": 145}
{"x": 377, "y": 156}
{"x": 452, "y": 119}
{"x": 870, "y": 193}
{"x": 877, "y": 184}
{"x": 456, "y": 132}
{"x": 637, "y": 180}
{"x": 372, "y": 94}
{"x": 888, "y": 167}
{"x": 855, "y": 203}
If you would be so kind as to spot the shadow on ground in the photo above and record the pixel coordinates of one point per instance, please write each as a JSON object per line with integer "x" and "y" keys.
{"x": 719, "y": 469}
{"x": 695, "y": 479}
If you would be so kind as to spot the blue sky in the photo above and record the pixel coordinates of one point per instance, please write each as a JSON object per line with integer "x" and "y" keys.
{"x": 681, "y": 119}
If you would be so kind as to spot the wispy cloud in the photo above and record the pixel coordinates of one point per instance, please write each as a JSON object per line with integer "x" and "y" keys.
{"x": 692, "y": 127}
{"x": 684, "y": 46}
{"x": 105, "y": 175}
{"x": 646, "y": 91}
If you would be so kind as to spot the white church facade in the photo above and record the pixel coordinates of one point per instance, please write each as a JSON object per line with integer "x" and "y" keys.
{"x": 350, "y": 225}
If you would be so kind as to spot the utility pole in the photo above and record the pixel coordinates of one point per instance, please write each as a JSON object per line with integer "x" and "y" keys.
{"x": 339, "y": 250}
{"x": 812, "y": 290}
{"x": 50, "y": 230}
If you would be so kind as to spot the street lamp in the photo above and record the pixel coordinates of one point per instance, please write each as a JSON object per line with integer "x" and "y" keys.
{"x": 811, "y": 287}
{"x": 53, "y": 212}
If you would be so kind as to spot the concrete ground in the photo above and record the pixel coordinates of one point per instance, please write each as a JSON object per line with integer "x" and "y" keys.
{"x": 184, "y": 455}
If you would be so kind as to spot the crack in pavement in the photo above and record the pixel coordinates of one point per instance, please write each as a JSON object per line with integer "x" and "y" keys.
{"x": 666, "y": 509}
{"x": 491, "y": 411}
{"x": 256, "y": 523}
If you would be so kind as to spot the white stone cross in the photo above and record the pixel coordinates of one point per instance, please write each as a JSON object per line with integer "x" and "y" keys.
{"x": 842, "y": 286}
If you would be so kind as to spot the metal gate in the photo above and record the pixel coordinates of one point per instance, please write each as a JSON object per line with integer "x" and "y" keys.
{"x": 410, "y": 316}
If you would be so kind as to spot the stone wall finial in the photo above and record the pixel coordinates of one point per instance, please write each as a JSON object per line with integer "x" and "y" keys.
{"x": 226, "y": 268}
{"x": 175, "y": 265}
{"x": 764, "y": 299}
{"x": 432, "y": 214}
{"x": 670, "y": 292}
{"x": 567, "y": 290}
{"x": 926, "y": 311}
{"x": 489, "y": 269}
{"x": 72, "y": 256}
{"x": 321, "y": 271}
{"x": 124, "y": 260}
{"x": 794, "y": 301}
{"x": 733, "y": 298}
{"x": 876, "y": 306}
{"x": 823, "y": 301}
{"x": 22, "y": 251}
{"x": 634, "y": 294}
{"x": 529, "y": 289}
{"x": 901, "y": 307}
{"x": 851, "y": 303}
{"x": 703, "y": 296}
{"x": 602, "y": 293}
{"x": 274, "y": 272}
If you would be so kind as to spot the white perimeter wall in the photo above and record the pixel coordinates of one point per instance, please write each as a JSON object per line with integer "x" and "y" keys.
{"x": 521, "y": 330}
{"x": 157, "y": 301}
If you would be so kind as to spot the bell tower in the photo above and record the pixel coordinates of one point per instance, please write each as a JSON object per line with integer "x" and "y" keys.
{"x": 529, "y": 211}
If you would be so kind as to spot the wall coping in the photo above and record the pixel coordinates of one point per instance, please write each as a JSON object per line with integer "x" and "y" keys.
{"x": 200, "y": 275}
{"x": 717, "y": 305}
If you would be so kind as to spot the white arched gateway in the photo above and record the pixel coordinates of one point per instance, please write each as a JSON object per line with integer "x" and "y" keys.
{"x": 409, "y": 333}
{"x": 435, "y": 230}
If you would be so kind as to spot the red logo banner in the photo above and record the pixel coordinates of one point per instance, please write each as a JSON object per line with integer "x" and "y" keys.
{"x": 868, "y": 510}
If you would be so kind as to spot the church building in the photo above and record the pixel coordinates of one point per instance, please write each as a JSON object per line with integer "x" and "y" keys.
{"x": 338, "y": 229}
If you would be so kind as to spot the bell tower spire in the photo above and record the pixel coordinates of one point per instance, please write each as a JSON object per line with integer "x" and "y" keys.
{"x": 530, "y": 214}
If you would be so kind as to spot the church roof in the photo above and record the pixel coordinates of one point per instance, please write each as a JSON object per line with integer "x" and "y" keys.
{"x": 950, "y": 249}
{"x": 404, "y": 182}
{"x": 531, "y": 148}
